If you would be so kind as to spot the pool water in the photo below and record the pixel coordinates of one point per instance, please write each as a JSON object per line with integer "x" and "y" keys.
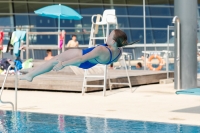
{"x": 171, "y": 67}
{"x": 23, "y": 122}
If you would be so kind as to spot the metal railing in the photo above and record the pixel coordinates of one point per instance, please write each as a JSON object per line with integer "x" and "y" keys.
{"x": 176, "y": 20}
{"x": 167, "y": 61}
{"x": 14, "y": 108}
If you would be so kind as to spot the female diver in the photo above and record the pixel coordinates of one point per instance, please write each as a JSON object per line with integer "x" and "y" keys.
{"x": 86, "y": 58}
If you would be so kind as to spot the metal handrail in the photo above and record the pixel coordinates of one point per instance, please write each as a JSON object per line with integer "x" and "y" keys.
{"x": 167, "y": 61}
{"x": 177, "y": 21}
{"x": 2, "y": 88}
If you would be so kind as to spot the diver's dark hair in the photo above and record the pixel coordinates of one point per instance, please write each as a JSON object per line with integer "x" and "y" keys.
{"x": 120, "y": 38}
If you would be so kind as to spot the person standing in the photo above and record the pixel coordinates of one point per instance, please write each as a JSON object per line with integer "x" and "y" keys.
{"x": 62, "y": 37}
{"x": 73, "y": 42}
{"x": 49, "y": 55}
{"x": 1, "y": 40}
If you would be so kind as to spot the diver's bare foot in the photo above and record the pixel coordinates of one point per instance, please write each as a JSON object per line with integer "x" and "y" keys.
{"x": 25, "y": 77}
{"x": 26, "y": 70}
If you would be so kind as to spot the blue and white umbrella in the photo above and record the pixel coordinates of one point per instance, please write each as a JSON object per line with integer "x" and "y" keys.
{"x": 59, "y": 12}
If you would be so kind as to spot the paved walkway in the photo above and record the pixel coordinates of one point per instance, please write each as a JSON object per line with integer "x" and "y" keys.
{"x": 147, "y": 103}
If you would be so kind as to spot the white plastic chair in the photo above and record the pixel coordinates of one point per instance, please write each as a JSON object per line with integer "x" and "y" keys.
{"x": 107, "y": 19}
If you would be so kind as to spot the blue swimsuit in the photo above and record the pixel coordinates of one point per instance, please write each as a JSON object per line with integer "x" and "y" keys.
{"x": 87, "y": 64}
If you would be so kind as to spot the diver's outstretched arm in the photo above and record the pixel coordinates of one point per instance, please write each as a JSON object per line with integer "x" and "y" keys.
{"x": 48, "y": 65}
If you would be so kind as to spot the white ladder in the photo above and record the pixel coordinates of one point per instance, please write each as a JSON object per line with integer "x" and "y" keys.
{"x": 14, "y": 108}
{"x": 88, "y": 75}
{"x": 128, "y": 77}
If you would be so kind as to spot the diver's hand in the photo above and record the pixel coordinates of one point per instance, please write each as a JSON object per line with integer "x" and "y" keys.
{"x": 58, "y": 66}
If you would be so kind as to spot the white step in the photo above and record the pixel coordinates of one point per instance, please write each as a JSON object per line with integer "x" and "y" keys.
{"x": 120, "y": 83}
{"x": 93, "y": 86}
{"x": 95, "y": 76}
{"x": 98, "y": 38}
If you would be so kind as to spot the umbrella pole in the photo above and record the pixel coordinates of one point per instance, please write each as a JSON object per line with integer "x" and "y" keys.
{"x": 59, "y": 35}
{"x": 59, "y": 23}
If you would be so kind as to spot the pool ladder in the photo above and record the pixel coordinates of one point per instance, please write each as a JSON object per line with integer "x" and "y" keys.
{"x": 16, "y": 84}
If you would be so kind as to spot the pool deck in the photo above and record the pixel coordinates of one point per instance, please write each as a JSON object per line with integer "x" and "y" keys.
{"x": 71, "y": 79}
{"x": 156, "y": 102}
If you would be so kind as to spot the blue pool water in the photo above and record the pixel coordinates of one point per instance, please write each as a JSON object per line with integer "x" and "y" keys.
{"x": 22, "y": 122}
{"x": 171, "y": 67}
